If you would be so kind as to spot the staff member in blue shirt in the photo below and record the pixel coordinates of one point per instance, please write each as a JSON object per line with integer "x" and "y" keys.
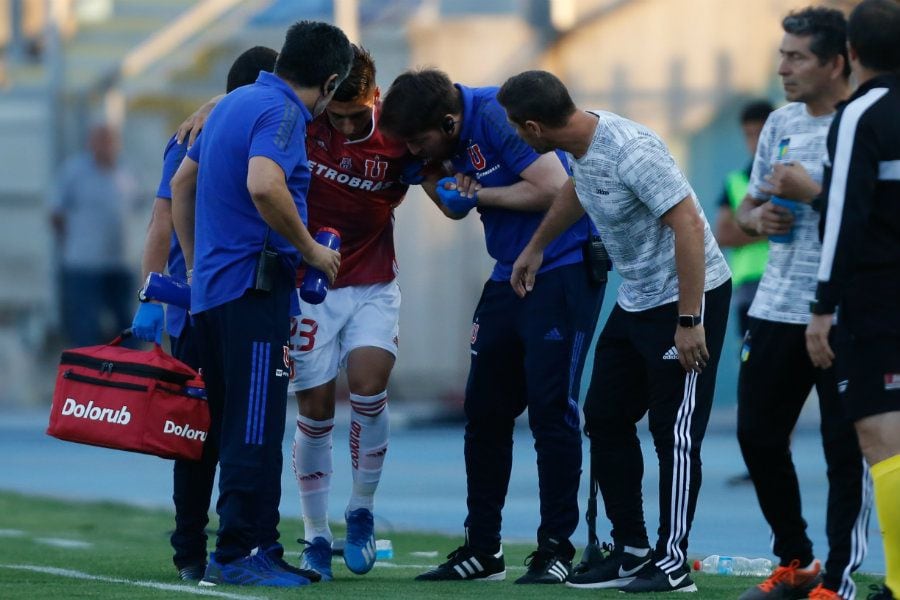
{"x": 244, "y": 240}
{"x": 193, "y": 480}
{"x": 526, "y": 353}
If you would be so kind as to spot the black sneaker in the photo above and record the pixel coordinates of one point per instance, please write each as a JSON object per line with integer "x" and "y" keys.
{"x": 653, "y": 579}
{"x": 275, "y": 555}
{"x": 466, "y": 563}
{"x": 192, "y": 572}
{"x": 615, "y": 569}
{"x": 550, "y": 563}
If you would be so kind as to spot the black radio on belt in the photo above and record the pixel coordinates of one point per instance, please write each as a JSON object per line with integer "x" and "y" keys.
{"x": 266, "y": 270}
{"x": 596, "y": 259}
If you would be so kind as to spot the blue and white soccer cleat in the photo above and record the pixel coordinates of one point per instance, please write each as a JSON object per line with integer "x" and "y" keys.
{"x": 359, "y": 551}
{"x": 250, "y": 570}
{"x": 317, "y": 557}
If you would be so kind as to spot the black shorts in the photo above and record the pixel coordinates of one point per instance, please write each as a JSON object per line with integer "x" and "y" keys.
{"x": 868, "y": 373}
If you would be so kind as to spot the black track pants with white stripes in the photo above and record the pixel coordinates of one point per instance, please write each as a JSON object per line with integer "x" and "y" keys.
{"x": 636, "y": 371}
{"x": 776, "y": 378}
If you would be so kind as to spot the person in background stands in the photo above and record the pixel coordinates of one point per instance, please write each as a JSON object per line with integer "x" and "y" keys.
{"x": 95, "y": 196}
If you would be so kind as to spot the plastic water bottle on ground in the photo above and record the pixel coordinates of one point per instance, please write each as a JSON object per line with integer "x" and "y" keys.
{"x": 384, "y": 550}
{"x": 734, "y": 565}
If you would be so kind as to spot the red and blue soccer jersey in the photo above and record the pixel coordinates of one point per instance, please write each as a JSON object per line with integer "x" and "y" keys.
{"x": 492, "y": 152}
{"x": 354, "y": 188}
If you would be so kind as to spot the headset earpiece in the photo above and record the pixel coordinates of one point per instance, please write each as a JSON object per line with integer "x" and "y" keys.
{"x": 448, "y": 124}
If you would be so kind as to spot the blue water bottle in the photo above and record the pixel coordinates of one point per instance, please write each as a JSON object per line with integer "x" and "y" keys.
{"x": 794, "y": 207}
{"x": 163, "y": 288}
{"x": 315, "y": 282}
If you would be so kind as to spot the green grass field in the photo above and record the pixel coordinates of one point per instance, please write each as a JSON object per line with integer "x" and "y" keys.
{"x": 57, "y": 549}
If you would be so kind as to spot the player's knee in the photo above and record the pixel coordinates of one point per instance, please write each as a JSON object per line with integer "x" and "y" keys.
{"x": 368, "y": 387}
{"x": 316, "y": 404}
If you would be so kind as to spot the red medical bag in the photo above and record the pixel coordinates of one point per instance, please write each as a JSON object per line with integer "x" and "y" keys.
{"x": 141, "y": 401}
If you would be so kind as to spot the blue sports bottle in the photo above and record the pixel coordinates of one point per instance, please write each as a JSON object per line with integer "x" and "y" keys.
{"x": 163, "y": 288}
{"x": 794, "y": 207}
{"x": 315, "y": 282}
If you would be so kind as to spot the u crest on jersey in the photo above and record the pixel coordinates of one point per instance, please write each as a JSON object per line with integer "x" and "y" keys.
{"x": 477, "y": 158}
{"x": 376, "y": 169}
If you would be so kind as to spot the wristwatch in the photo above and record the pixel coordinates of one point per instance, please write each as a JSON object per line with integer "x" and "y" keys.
{"x": 141, "y": 296}
{"x": 818, "y": 308}
{"x": 689, "y": 320}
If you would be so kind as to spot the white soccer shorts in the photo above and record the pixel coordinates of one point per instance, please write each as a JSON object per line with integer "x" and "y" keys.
{"x": 351, "y": 317}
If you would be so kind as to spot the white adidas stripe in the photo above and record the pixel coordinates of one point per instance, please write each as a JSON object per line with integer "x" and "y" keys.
{"x": 681, "y": 470}
{"x": 859, "y": 536}
{"x": 459, "y": 570}
{"x": 477, "y": 564}
{"x": 468, "y": 567}
{"x": 839, "y": 173}
{"x": 559, "y": 570}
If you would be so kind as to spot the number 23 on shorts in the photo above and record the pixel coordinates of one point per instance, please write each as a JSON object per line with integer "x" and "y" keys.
{"x": 305, "y": 329}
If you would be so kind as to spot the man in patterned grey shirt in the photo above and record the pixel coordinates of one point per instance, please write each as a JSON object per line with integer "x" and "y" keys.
{"x": 776, "y": 373}
{"x": 659, "y": 350}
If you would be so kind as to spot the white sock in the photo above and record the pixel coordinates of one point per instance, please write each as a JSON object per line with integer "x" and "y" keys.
{"x": 313, "y": 467}
{"x": 369, "y": 430}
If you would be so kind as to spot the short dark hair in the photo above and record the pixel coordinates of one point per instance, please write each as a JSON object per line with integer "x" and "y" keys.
{"x": 312, "y": 52}
{"x": 828, "y": 29}
{"x": 874, "y": 32}
{"x": 417, "y": 101}
{"x": 360, "y": 82}
{"x": 756, "y": 110}
{"x": 536, "y": 96}
{"x": 246, "y": 67}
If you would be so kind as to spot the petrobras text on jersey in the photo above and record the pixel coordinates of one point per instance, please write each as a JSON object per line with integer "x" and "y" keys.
{"x": 95, "y": 413}
{"x": 321, "y": 170}
{"x": 184, "y": 431}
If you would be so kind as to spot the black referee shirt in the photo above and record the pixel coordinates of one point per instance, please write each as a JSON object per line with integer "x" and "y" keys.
{"x": 860, "y": 227}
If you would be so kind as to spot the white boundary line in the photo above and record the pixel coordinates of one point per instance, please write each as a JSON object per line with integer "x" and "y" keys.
{"x": 391, "y": 565}
{"x": 168, "y": 587}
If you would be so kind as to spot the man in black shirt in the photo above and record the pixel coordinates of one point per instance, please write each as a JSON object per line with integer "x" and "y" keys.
{"x": 859, "y": 272}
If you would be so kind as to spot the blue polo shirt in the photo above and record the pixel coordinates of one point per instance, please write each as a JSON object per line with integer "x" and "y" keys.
{"x": 172, "y": 158}
{"x": 264, "y": 119}
{"x": 492, "y": 152}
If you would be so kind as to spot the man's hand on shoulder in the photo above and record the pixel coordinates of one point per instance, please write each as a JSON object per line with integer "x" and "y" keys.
{"x": 190, "y": 128}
